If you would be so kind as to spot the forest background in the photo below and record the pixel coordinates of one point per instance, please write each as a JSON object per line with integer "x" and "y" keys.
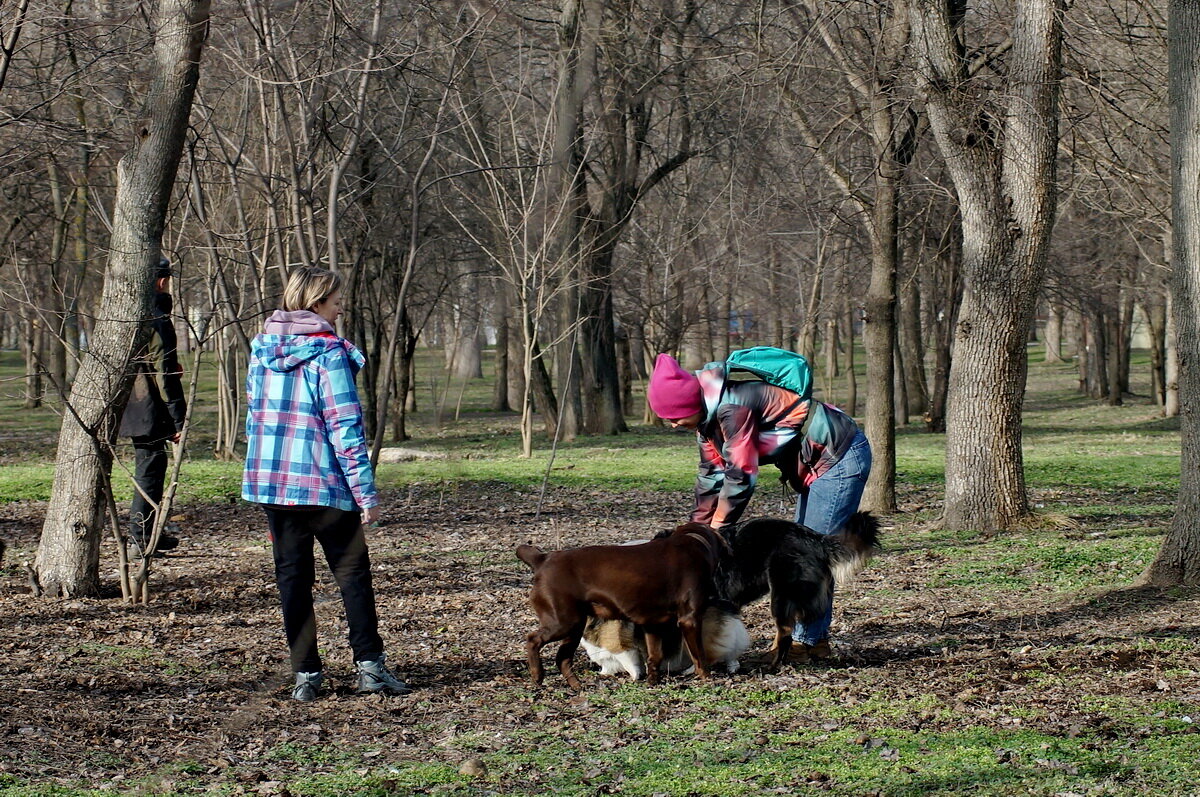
{"x": 909, "y": 193}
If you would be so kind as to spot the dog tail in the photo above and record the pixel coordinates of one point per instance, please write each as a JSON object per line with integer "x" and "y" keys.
{"x": 531, "y": 555}
{"x": 857, "y": 542}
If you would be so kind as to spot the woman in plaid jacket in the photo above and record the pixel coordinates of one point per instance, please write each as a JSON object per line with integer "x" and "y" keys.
{"x": 307, "y": 463}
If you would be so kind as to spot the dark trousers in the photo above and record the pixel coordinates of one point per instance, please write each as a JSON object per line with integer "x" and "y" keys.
{"x": 341, "y": 536}
{"x": 149, "y": 471}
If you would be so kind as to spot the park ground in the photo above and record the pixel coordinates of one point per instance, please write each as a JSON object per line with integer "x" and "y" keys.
{"x": 1023, "y": 663}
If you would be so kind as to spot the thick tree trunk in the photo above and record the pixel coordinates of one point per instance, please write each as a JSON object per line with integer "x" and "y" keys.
{"x": 601, "y": 382}
{"x": 69, "y": 553}
{"x": 577, "y": 49}
{"x": 985, "y": 483}
{"x": 1006, "y": 193}
{"x": 1178, "y": 561}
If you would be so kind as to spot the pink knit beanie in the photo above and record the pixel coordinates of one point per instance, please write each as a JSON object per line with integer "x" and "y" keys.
{"x": 673, "y": 392}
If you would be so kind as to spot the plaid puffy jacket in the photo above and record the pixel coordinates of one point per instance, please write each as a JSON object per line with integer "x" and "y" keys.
{"x": 304, "y": 427}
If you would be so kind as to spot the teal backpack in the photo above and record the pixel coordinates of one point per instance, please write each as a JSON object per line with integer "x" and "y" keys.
{"x": 778, "y": 367}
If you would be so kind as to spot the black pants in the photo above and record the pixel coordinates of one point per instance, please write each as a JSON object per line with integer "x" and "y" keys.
{"x": 149, "y": 471}
{"x": 341, "y": 536}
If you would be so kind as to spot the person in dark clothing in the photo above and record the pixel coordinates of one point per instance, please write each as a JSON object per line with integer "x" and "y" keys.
{"x": 155, "y": 414}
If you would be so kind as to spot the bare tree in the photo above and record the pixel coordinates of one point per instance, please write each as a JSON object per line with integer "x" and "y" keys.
{"x": 890, "y": 133}
{"x": 68, "y": 555}
{"x": 9, "y": 39}
{"x": 1000, "y": 147}
{"x": 1178, "y": 561}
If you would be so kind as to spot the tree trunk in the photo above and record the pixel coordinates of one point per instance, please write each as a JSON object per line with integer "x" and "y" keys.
{"x": 601, "y": 382}
{"x": 69, "y": 553}
{"x": 1171, "y": 363}
{"x": 1054, "y": 332}
{"x": 1096, "y": 335}
{"x": 944, "y": 323}
{"x": 501, "y": 364}
{"x": 1005, "y": 182}
{"x": 1114, "y": 359}
{"x": 900, "y": 408}
{"x": 1081, "y": 350}
{"x": 912, "y": 346}
{"x": 31, "y": 353}
{"x": 892, "y": 146}
{"x": 1178, "y": 561}
{"x": 1124, "y": 336}
{"x": 851, "y": 376}
{"x": 832, "y": 343}
{"x": 1156, "y": 323}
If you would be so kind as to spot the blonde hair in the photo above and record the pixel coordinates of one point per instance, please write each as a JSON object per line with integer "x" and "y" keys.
{"x": 308, "y": 285}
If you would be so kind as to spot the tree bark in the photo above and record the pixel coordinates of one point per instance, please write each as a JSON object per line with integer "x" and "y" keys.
{"x": 1156, "y": 323}
{"x": 1171, "y": 364}
{"x": 500, "y": 367}
{"x": 912, "y": 346}
{"x": 1178, "y": 561}
{"x": 892, "y": 146}
{"x": 1003, "y": 171}
{"x": 69, "y": 552}
{"x": 1054, "y": 332}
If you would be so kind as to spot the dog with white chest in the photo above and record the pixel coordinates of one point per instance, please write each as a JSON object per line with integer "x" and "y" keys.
{"x": 619, "y": 646}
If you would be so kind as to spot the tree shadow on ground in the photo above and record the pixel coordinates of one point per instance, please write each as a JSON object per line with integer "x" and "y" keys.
{"x": 1099, "y": 615}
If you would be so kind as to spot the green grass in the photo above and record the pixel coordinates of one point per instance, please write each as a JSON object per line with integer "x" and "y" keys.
{"x": 1045, "y": 562}
{"x": 1070, "y": 443}
{"x": 796, "y": 741}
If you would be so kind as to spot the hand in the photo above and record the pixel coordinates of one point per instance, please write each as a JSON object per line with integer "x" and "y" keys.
{"x": 370, "y": 515}
{"x": 174, "y": 438}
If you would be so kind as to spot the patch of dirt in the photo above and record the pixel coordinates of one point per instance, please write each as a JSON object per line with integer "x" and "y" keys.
{"x": 96, "y": 690}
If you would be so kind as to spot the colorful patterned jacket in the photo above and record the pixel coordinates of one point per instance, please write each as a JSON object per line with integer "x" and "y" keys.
{"x": 304, "y": 429}
{"x": 749, "y": 423}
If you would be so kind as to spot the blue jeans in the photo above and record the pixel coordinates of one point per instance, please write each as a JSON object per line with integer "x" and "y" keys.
{"x": 826, "y": 507}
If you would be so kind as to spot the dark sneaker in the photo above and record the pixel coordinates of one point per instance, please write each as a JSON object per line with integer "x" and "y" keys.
{"x": 374, "y": 677}
{"x": 308, "y": 685}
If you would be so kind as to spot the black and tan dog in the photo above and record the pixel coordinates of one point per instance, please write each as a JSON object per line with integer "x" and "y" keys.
{"x": 657, "y": 584}
{"x": 795, "y": 565}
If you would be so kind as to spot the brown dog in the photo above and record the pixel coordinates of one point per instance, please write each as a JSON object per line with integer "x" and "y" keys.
{"x": 654, "y": 584}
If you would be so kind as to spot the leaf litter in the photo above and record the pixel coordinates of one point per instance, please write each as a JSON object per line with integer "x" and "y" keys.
{"x": 101, "y": 693}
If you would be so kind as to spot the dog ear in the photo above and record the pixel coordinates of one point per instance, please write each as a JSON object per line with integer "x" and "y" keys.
{"x": 662, "y": 535}
{"x": 531, "y": 555}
